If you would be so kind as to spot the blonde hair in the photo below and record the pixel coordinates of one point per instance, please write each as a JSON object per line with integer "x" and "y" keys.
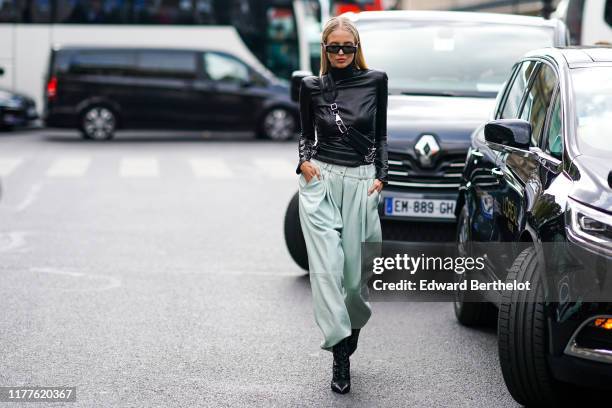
{"x": 343, "y": 23}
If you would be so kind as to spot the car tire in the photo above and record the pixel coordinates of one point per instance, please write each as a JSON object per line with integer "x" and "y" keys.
{"x": 294, "y": 237}
{"x": 469, "y": 310}
{"x": 522, "y": 339}
{"x": 98, "y": 122}
{"x": 278, "y": 124}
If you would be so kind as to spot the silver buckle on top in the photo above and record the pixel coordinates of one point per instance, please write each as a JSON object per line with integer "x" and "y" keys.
{"x": 341, "y": 126}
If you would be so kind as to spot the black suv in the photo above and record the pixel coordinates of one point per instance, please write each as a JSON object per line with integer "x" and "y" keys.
{"x": 98, "y": 90}
{"x": 538, "y": 176}
{"x": 440, "y": 90}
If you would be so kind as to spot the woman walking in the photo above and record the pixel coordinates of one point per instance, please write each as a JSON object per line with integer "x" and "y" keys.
{"x": 342, "y": 172}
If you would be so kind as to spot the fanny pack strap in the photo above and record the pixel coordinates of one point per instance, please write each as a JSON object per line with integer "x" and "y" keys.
{"x": 329, "y": 95}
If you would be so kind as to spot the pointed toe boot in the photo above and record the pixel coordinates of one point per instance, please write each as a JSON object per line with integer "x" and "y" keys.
{"x": 341, "y": 380}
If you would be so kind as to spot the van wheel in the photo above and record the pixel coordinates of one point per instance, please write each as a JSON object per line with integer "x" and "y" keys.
{"x": 278, "y": 124}
{"x": 522, "y": 338}
{"x": 294, "y": 238}
{"x": 469, "y": 310}
{"x": 98, "y": 123}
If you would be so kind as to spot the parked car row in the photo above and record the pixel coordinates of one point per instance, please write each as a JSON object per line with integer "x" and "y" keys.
{"x": 528, "y": 165}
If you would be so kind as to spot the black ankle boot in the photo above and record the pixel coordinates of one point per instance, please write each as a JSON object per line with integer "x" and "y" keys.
{"x": 352, "y": 341}
{"x": 341, "y": 381}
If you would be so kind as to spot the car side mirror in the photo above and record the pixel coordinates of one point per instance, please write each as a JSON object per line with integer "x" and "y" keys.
{"x": 514, "y": 133}
{"x": 1, "y": 71}
{"x": 296, "y": 80}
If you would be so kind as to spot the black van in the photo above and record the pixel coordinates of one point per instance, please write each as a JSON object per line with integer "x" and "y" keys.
{"x": 99, "y": 90}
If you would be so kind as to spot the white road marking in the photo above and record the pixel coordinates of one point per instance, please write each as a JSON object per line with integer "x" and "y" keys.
{"x": 69, "y": 167}
{"x": 8, "y": 165}
{"x": 276, "y": 168}
{"x": 111, "y": 281}
{"x": 147, "y": 167}
{"x": 29, "y": 198}
{"x": 139, "y": 167}
{"x": 12, "y": 241}
{"x": 210, "y": 168}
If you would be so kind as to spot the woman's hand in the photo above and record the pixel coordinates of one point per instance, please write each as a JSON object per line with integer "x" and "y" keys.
{"x": 376, "y": 186}
{"x": 309, "y": 170}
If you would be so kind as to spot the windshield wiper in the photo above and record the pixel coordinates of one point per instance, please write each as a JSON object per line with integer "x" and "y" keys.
{"x": 430, "y": 93}
{"x": 467, "y": 94}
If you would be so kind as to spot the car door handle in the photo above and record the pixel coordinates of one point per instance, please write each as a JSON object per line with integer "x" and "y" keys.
{"x": 497, "y": 172}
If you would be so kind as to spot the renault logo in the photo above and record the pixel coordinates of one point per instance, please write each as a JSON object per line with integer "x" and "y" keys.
{"x": 426, "y": 148}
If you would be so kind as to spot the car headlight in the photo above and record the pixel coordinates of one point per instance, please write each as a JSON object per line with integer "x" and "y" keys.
{"x": 590, "y": 225}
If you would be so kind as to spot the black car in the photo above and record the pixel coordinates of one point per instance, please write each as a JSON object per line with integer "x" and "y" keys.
{"x": 538, "y": 177}
{"x": 99, "y": 90}
{"x": 440, "y": 90}
{"x": 16, "y": 110}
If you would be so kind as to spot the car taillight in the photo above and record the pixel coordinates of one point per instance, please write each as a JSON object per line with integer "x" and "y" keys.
{"x": 52, "y": 88}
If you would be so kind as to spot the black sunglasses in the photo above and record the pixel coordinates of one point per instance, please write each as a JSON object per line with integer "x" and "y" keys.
{"x": 335, "y": 49}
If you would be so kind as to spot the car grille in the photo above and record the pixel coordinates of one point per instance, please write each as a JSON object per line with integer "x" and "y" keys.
{"x": 404, "y": 171}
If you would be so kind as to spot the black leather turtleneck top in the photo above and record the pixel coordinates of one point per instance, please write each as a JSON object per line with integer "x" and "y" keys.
{"x": 343, "y": 73}
{"x": 362, "y": 102}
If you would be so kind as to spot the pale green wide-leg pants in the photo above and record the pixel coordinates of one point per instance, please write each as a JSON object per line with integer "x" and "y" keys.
{"x": 337, "y": 215}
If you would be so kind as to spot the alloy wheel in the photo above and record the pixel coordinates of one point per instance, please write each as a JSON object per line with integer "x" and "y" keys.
{"x": 279, "y": 124}
{"x": 99, "y": 123}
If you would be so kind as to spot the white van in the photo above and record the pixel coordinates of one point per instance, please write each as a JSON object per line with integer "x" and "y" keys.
{"x": 589, "y": 21}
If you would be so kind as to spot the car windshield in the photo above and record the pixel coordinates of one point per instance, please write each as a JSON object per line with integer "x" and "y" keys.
{"x": 593, "y": 99}
{"x": 448, "y": 58}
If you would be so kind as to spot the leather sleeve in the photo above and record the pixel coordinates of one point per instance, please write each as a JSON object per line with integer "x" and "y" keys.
{"x": 306, "y": 146}
{"x": 381, "y": 157}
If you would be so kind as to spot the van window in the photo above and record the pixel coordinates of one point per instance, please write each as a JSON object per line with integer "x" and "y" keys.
{"x": 103, "y": 62}
{"x": 515, "y": 95}
{"x": 221, "y": 67}
{"x": 608, "y": 12}
{"x": 180, "y": 65}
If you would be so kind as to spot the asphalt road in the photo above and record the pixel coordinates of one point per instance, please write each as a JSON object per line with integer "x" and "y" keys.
{"x": 152, "y": 271}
